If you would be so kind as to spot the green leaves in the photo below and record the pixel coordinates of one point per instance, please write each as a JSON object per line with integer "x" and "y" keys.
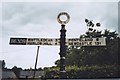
{"x": 95, "y": 55}
{"x": 75, "y": 72}
{"x": 95, "y": 61}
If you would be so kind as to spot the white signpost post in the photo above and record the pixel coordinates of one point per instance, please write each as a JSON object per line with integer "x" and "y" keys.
{"x": 56, "y": 41}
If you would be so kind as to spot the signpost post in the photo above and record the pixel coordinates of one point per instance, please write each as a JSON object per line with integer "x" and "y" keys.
{"x": 62, "y": 43}
{"x": 62, "y": 52}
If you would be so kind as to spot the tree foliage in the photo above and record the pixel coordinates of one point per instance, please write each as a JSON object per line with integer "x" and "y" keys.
{"x": 75, "y": 72}
{"x": 95, "y": 55}
{"x": 95, "y": 61}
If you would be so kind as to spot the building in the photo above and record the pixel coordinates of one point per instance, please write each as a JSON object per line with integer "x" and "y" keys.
{"x": 0, "y": 73}
{"x": 30, "y": 74}
{"x": 8, "y": 75}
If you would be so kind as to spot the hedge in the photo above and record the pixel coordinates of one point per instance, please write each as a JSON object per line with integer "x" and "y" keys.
{"x": 75, "y": 72}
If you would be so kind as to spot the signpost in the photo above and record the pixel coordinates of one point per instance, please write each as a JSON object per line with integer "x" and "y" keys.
{"x": 62, "y": 42}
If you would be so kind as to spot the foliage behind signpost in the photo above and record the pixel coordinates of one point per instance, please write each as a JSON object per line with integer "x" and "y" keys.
{"x": 92, "y": 62}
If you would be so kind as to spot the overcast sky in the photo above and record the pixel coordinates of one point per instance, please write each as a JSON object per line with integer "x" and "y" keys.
{"x": 38, "y": 19}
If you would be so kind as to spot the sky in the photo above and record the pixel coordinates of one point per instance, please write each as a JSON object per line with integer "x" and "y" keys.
{"x": 38, "y": 19}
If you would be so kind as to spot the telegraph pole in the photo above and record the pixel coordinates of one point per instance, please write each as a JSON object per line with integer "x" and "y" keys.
{"x": 36, "y": 61}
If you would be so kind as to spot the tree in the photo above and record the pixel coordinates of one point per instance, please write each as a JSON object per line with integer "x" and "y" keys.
{"x": 95, "y": 61}
{"x": 96, "y": 55}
